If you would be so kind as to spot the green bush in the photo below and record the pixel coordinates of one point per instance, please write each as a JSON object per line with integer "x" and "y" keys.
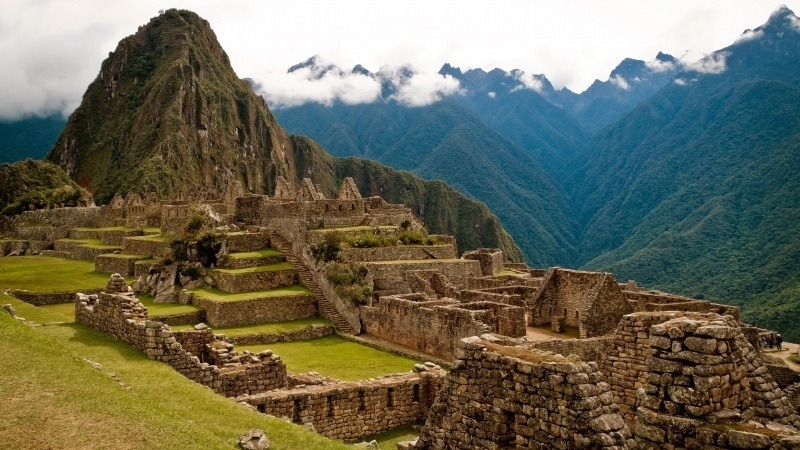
{"x": 328, "y": 249}
{"x": 350, "y": 281}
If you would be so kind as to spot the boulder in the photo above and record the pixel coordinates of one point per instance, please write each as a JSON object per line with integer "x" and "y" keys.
{"x": 254, "y": 440}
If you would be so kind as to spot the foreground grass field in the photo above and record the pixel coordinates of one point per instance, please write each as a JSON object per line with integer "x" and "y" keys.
{"x": 335, "y": 357}
{"x": 53, "y": 399}
{"x": 46, "y": 274}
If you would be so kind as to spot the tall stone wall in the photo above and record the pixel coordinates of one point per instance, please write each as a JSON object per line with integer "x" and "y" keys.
{"x": 122, "y": 316}
{"x": 660, "y": 301}
{"x": 499, "y": 397}
{"x": 353, "y": 410}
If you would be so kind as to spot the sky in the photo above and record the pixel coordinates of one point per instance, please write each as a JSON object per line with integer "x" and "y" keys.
{"x": 50, "y": 50}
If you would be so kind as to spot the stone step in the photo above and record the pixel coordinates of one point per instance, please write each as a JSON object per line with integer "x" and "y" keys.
{"x": 262, "y": 257}
{"x": 255, "y": 307}
{"x": 270, "y": 276}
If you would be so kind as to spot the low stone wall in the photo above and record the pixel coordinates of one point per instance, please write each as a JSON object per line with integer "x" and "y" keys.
{"x": 122, "y": 264}
{"x": 456, "y": 270}
{"x": 259, "y": 310}
{"x": 236, "y": 282}
{"x": 189, "y": 318}
{"x": 146, "y": 247}
{"x": 412, "y": 252}
{"x": 660, "y": 301}
{"x": 314, "y": 331}
{"x": 498, "y": 397}
{"x": 353, "y": 410}
{"x": 18, "y": 247}
{"x": 591, "y": 349}
{"x": 115, "y": 237}
{"x": 247, "y": 241}
{"x": 48, "y": 298}
{"x": 491, "y": 260}
{"x": 123, "y": 317}
{"x": 143, "y": 267}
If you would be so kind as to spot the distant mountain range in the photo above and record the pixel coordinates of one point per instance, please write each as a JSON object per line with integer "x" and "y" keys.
{"x": 681, "y": 176}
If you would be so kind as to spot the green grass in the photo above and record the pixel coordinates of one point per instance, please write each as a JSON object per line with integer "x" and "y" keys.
{"x": 125, "y": 255}
{"x": 152, "y": 237}
{"x": 388, "y": 440}
{"x": 121, "y": 228}
{"x": 165, "y": 309}
{"x": 217, "y": 295}
{"x": 267, "y": 268}
{"x": 47, "y": 274}
{"x": 335, "y": 357}
{"x": 53, "y": 399}
{"x": 39, "y": 314}
{"x": 92, "y": 243}
{"x": 266, "y": 328}
{"x": 263, "y": 253}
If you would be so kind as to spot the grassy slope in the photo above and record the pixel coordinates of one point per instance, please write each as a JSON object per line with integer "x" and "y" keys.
{"x": 53, "y": 399}
{"x": 46, "y": 274}
{"x": 352, "y": 361}
{"x": 264, "y": 328}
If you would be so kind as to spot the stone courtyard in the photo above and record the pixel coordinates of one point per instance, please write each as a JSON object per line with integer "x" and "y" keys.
{"x": 517, "y": 357}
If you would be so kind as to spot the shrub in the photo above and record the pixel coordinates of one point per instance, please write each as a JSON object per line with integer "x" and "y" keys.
{"x": 350, "y": 282}
{"x": 180, "y": 250}
{"x": 206, "y": 248}
{"x": 328, "y": 249}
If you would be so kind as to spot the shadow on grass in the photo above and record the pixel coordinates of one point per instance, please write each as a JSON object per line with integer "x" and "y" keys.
{"x": 87, "y": 337}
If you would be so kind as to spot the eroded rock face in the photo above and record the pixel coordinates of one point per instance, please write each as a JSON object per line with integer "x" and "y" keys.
{"x": 254, "y": 440}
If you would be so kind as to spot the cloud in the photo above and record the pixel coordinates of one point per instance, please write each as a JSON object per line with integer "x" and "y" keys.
{"x": 794, "y": 21}
{"x": 422, "y": 89}
{"x": 714, "y": 63}
{"x": 658, "y": 66}
{"x": 528, "y": 80}
{"x": 618, "y": 81}
{"x": 680, "y": 82}
{"x": 316, "y": 85}
{"x": 492, "y": 94}
{"x": 749, "y": 35}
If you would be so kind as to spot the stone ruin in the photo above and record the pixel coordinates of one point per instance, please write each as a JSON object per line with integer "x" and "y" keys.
{"x": 641, "y": 373}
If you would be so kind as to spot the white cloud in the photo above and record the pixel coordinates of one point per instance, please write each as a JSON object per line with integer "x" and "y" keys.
{"x": 425, "y": 88}
{"x": 281, "y": 89}
{"x": 492, "y": 94}
{"x": 657, "y": 66}
{"x": 528, "y": 80}
{"x": 619, "y": 81}
{"x": 714, "y": 63}
{"x": 795, "y": 22}
{"x": 680, "y": 82}
{"x": 749, "y": 35}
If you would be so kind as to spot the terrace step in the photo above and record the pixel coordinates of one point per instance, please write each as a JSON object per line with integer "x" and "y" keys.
{"x": 154, "y": 245}
{"x": 224, "y": 309}
{"x": 326, "y": 309}
{"x": 87, "y": 249}
{"x": 456, "y": 270}
{"x": 269, "y": 276}
{"x": 246, "y": 241}
{"x": 261, "y": 257}
{"x": 120, "y": 263}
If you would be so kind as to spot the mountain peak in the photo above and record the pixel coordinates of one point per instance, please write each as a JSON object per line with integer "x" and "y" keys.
{"x": 781, "y": 19}
{"x": 454, "y": 72}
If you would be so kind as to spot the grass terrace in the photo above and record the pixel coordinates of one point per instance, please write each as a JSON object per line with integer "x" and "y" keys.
{"x": 335, "y": 357}
{"x": 64, "y": 312}
{"x": 151, "y": 237}
{"x": 388, "y": 440}
{"x": 53, "y": 398}
{"x": 263, "y": 253}
{"x": 155, "y": 310}
{"x": 217, "y": 295}
{"x": 266, "y": 328}
{"x": 48, "y": 274}
{"x": 267, "y": 268}
{"x": 91, "y": 243}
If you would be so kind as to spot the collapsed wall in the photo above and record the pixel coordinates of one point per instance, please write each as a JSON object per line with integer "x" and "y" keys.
{"x": 206, "y": 359}
{"x": 497, "y": 397}
{"x": 353, "y": 410}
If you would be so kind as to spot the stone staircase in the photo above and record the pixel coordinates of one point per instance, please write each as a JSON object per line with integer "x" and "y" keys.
{"x": 326, "y": 309}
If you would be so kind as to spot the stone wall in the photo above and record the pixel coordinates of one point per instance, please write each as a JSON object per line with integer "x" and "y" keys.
{"x": 122, "y": 316}
{"x": 115, "y": 263}
{"x": 703, "y": 372}
{"x": 411, "y": 252}
{"x": 142, "y": 245}
{"x": 421, "y": 323}
{"x": 353, "y": 410}
{"x": 246, "y": 281}
{"x": 498, "y": 397}
{"x": 314, "y": 331}
{"x": 589, "y": 301}
{"x": 48, "y": 298}
{"x": 590, "y": 349}
{"x": 258, "y": 310}
{"x": 456, "y": 270}
{"x": 660, "y": 301}
{"x": 491, "y": 260}
{"x": 784, "y": 375}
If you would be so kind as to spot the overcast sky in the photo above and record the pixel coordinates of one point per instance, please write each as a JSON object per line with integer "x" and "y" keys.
{"x": 52, "y": 49}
